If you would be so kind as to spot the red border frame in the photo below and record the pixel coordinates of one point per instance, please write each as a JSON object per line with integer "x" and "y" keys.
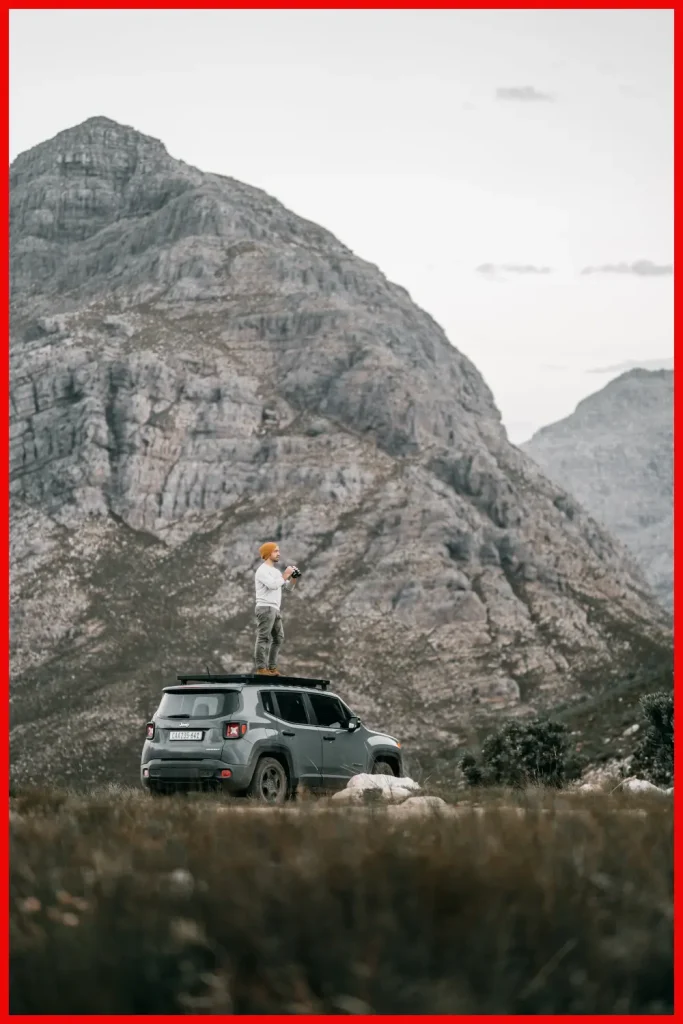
{"x": 4, "y": 447}
{"x": 4, "y": 512}
{"x": 678, "y": 519}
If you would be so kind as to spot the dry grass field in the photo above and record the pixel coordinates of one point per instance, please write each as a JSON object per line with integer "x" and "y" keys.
{"x": 532, "y": 902}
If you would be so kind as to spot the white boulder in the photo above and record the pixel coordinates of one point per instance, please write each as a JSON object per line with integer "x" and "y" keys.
{"x": 349, "y": 796}
{"x": 641, "y": 786}
{"x": 384, "y": 787}
{"x": 384, "y": 782}
{"x": 398, "y": 793}
{"x": 421, "y": 806}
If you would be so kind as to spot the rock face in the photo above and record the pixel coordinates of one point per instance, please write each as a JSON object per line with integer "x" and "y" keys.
{"x": 195, "y": 370}
{"x": 615, "y": 455}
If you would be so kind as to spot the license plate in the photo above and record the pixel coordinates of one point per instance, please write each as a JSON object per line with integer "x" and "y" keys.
{"x": 186, "y": 734}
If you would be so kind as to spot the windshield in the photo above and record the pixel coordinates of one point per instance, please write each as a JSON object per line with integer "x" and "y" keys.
{"x": 199, "y": 704}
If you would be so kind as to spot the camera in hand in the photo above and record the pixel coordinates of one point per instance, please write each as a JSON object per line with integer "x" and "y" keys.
{"x": 295, "y": 572}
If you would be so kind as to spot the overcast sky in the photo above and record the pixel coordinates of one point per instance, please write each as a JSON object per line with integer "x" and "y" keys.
{"x": 512, "y": 169}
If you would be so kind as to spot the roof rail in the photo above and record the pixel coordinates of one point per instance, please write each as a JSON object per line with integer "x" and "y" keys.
{"x": 251, "y": 679}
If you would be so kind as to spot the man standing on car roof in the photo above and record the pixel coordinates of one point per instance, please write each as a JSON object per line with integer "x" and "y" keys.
{"x": 270, "y": 632}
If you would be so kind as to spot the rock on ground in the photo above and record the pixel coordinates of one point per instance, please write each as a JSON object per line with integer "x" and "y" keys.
{"x": 642, "y": 786}
{"x": 421, "y": 806}
{"x": 388, "y": 787}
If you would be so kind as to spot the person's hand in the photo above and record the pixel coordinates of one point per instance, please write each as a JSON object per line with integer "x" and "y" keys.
{"x": 288, "y": 572}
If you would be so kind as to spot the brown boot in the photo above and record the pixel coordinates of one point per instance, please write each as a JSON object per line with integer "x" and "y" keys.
{"x": 274, "y": 672}
{"x": 262, "y": 672}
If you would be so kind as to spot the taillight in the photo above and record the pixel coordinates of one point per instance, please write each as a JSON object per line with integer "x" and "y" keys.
{"x": 234, "y": 730}
{"x": 150, "y": 731}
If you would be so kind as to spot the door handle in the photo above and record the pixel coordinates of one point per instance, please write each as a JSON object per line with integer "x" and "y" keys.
{"x": 288, "y": 733}
{"x": 329, "y": 739}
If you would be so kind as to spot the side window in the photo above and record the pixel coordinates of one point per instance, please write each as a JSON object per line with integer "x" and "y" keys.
{"x": 292, "y": 707}
{"x": 346, "y": 712}
{"x": 328, "y": 711}
{"x": 267, "y": 701}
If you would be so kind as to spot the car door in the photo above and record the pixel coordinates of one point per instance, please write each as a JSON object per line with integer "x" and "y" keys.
{"x": 303, "y": 739}
{"x": 344, "y": 752}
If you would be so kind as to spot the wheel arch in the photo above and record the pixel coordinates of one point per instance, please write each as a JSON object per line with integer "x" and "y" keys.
{"x": 389, "y": 756}
{"x": 282, "y": 754}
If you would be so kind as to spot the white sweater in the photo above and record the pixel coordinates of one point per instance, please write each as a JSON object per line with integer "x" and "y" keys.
{"x": 269, "y": 584}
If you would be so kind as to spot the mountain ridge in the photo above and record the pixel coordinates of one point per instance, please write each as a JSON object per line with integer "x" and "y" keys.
{"x": 615, "y": 453}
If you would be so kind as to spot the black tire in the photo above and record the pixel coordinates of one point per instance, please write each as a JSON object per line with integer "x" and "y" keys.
{"x": 382, "y": 768}
{"x": 269, "y": 784}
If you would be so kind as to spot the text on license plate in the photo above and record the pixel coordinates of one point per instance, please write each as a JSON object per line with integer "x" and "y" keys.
{"x": 186, "y": 734}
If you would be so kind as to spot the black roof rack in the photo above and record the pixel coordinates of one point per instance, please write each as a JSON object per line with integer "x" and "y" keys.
{"x": 251, "y": 679}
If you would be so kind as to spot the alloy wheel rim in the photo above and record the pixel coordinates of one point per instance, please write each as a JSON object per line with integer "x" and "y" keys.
{"x": 271, "y": 784}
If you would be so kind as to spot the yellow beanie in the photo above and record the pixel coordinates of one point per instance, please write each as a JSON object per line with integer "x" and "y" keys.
{"x": 266, "y": 550}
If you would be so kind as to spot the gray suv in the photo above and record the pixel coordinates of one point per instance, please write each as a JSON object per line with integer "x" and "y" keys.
{"x": 261, "y": 737}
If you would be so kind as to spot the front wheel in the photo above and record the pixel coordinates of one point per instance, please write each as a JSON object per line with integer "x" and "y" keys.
{"x": 382, "y": 768}
{"x": 269, "y": 784}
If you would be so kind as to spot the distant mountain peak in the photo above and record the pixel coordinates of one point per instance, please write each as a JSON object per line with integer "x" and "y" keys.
{"x": 643, "y": 373}
{"x": 615, "y": 454}
{"x": 637, "y": 385}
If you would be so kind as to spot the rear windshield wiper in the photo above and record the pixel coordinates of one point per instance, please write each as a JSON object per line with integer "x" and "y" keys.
{"x": 176, "y": 716}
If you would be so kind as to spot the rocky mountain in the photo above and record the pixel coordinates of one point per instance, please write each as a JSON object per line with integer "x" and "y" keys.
{"x": 615, "y": 455}
{"x": 194, "y": 370}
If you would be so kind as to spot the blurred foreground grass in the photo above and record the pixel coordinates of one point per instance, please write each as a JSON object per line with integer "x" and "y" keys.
{"x": 124, "y": 904}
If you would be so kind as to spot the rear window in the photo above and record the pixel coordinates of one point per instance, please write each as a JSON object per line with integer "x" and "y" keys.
{"x": 199, "y": 704}
{"x": 267, "y": 701}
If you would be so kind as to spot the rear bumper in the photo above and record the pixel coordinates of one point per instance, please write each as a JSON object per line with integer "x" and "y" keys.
{"x": 162, "y": 772}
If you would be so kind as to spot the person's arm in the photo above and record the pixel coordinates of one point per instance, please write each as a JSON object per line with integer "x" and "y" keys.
{"x": 271, "y": 581}
{"x": 288, "y": 581}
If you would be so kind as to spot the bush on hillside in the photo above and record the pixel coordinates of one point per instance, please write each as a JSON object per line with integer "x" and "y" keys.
{"x": 534, "y": 752}
{"x": 654, "y": 755}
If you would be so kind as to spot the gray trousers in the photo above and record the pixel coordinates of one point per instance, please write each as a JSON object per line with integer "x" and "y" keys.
{"x": 270, "y": 634}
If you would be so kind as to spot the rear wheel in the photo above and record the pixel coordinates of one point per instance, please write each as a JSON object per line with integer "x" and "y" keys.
{"x": 269, "y": 784}
{"x": 382, "y": 768}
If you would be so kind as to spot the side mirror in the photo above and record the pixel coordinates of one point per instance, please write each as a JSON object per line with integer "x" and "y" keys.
{"x": 353, "y": 723}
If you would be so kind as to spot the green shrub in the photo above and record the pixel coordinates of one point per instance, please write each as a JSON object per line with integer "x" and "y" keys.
{"x": 472, "y": 770}
{"x": 654, "y": 755}
{"x": 534, "y": 752}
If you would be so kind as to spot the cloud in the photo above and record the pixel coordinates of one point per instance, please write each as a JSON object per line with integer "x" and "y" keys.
{"x": 492, "y": 269}
{"x": 640, "y": 268}
{"x": 665, "y": 363}
{"x": 523, "y": 94}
